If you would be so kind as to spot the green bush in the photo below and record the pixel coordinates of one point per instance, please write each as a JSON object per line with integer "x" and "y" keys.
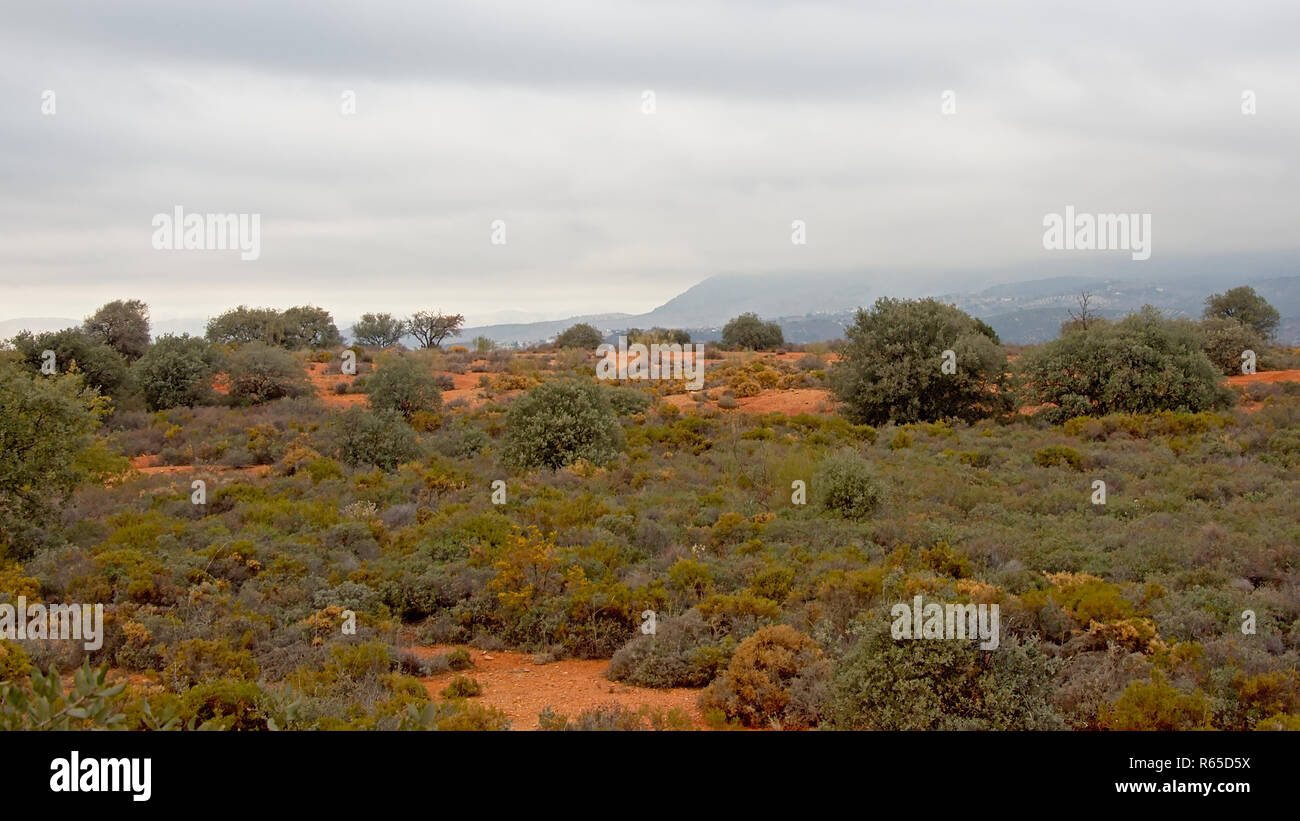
{"x": 1141, "y": 364}
{"x": 405, "y": 385}
{"x": 356, "y": 437}
{"x": 888, "y": 684}
{"x": 891, "y": 366}
{"x": 683, "y": 652}
{"x": 175, "y": 371}
{"x": 560, "y": 422}
{"x": 581, "y": 335}
{"x": 462, "y": 687}
{"x": 260, "y": 373}
{"x": 1224, "y": 341}
{"x": 102, "y": 368}
{"x": 749, "y": 332}
{"x": 846, "y": 485}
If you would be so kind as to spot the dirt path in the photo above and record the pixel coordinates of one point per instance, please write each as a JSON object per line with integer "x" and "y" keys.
{"x": 512, "y": 682}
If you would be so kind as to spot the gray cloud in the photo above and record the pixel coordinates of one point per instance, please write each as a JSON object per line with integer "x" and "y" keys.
{"x": 530, "y": 113}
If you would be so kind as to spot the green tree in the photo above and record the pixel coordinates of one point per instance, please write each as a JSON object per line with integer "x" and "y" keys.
{"x": 1141, "y": 364}
{"x": 306, "y": 326}
{"x": 891, "y": 366}
{"x": 378, "y": 330}
{"x": 260, "y": 373}
{"x": 403, "y": 384}
{"x": 245, "y": 324}
{"x": 47, "y": 449}
{"x": 431, "y": 327}
{"x": 74, "y": 351}
{"x": 581, "y": 335}
{"x": 1242, "y": 303}
{"x": 749, "y": 332}
{"x": 121, "y": 325}
{"x": 560, "y": 422}
{"x": 175, "y": 371}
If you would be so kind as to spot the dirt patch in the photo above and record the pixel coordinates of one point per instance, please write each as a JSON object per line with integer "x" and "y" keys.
{"x": 147, "y": 465}
{"x": 522, "y": 689}
{"x": 1264, "y": 376}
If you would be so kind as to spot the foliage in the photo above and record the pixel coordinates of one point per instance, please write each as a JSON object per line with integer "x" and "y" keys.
{"x": 379, "y": 330}
{"x": 581, "y": 335}
{"x": 405, "y": 385}
{"x": 46, "y": 449}
{"x": 1243, "y": 304}
{"x": 381, "y": 439}
{"x": 43, "y": 705}
{"x": 1141, "y": 364}
{"x": 122, "y": 325}
{"x": 102, "y": 367}
{"x": 261, "y": 373}
{"x": 891, "y": 366}
{"x": 431, "y": 327}
{"x": 175, "y": 371}
{"x": 776, "y": 677}
{"x": 749, "y": 332}
{"x": 846, "y": 486}
{"x": 560, "y": 422}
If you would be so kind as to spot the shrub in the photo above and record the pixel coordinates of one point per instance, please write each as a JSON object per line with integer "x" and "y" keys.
{"x": 683, "y": 652}
{"x": 845, "y": 485}
{"x": 1224, "y": 341}
{"x": 890, "y": 369}
{"x": 175, "y": 371}
{"x": 100, "y": 366}
{"x": 47, "y": 449}
{"x": 560, "y": 422}
{"x": 581, "y": 335}
{"x": 1142, "y": 364}
{"x": 749, "y": 332}
{"x": 382, "y": 439}
{"x": 777, "y": 676}
{"x": 1053, "y": 455}
{"x": 1157, "y": 705}
{"x": 459, "y": 659}
{"x": 462, "y": 687}
{"x": 261, "y": 373}
{"x": 886, "y": 684}
{"x": 403, "y": 384}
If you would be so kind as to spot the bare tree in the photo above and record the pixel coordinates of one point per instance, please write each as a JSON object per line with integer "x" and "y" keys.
{"x": 1085, "y": 316}
{"x": 431, "y": 327}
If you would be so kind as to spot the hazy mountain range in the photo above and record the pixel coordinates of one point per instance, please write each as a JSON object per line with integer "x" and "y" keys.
{"x": 815, "y": 307}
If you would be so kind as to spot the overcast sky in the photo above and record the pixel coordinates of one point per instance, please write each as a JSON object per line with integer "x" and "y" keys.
{"x": 532, "y": 113}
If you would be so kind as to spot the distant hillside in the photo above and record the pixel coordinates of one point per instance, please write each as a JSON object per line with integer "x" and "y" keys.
{"x": 818, "y": 308}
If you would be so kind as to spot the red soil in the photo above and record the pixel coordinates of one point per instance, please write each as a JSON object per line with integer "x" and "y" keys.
{"x": 522, "y": 689}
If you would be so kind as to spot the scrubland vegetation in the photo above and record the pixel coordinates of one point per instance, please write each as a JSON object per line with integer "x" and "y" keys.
{"x": 975, "y": 487}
